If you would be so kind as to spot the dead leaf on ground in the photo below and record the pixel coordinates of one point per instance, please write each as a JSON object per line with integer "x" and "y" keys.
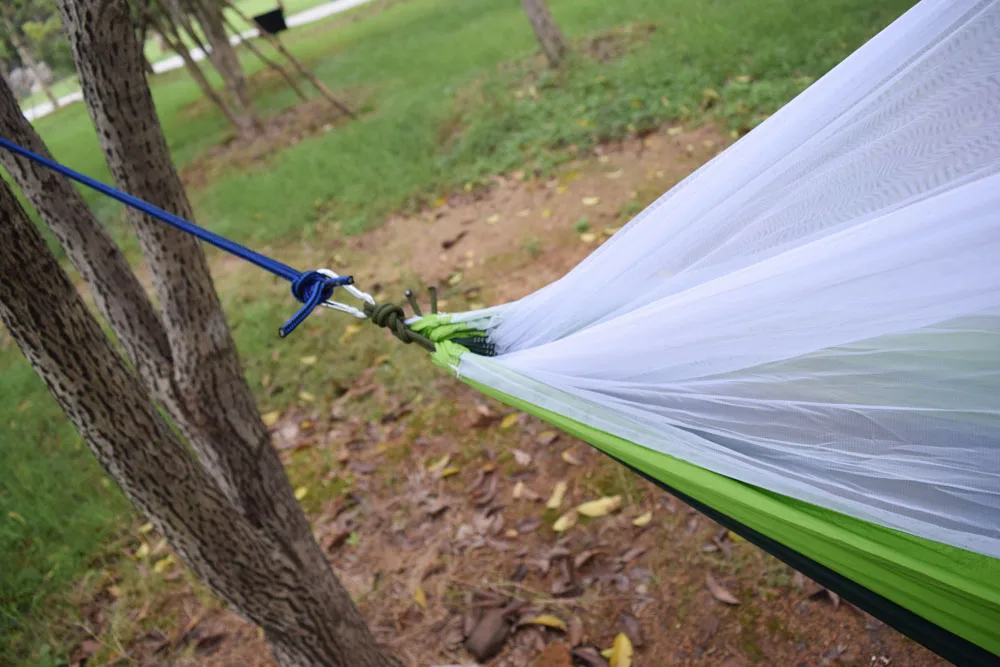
{"x": 565, "y": 522}
{"x": 523, "y": 458}
{"x": 546, "y": 438}
{"x": 571, "y": 458}
{"x": 632, "y": 628}
{"x": 488, "y": 636}
{"x": 600, "y": 507}
{"x": 575, "y": 631}
{"x": 583, "y": 558}
{"x": 632, "y": 554}
{"x": 548, "y": 620}
{"x": 718, "y": 591}
{"x": 642, "y": 519}
{"x": 621, "y": 652}
{"x": 509, "y": 421}
{"x": 448, "y": 243}
{"x": 588, "y": 656}
{"x": 555, "y": 500}
{"x": 528, "y": 525}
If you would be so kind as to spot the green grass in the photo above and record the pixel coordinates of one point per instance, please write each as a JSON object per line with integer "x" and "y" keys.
{"x": 457, "y": 93}
{"x": 59, "y": 88}
{"x": 56, "y": 507}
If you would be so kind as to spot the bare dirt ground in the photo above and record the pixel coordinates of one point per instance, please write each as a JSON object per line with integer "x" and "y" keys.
{"x": 449, "y": 516}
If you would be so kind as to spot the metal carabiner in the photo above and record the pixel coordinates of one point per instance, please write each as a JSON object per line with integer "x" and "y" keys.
{"x": 353, "y": 291}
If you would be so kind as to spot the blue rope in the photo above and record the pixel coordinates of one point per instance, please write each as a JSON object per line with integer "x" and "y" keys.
{"x": 310, "y": 288}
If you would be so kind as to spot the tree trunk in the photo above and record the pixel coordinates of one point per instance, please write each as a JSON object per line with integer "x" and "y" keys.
{"x": 117, "y": 292}
{"x": 219, "y": 415}
{"x": 169, "y": 35}
{"x": 549, "y": 36}
{"x": 29, "y": 62}
{"x": 225, "y": 60}
{"x": 306, "y": 622}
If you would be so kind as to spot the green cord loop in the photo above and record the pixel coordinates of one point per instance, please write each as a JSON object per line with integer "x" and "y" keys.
{"x": 392, "y": 317}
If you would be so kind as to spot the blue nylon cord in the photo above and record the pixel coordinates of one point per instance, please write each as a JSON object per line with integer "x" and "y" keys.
{"x": 311, "y": 287}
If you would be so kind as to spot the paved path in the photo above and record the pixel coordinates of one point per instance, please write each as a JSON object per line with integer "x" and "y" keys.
{"x": 175, "y": 62}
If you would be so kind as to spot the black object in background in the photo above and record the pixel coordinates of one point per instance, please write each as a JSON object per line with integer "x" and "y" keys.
{"x": 272, "y": 22}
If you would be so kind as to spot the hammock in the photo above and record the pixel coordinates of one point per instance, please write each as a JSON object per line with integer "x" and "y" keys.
{"x": 804, "y": 335}
{"x": 801, "y": 340}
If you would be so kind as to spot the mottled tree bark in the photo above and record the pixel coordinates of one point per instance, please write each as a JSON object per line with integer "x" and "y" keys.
{"x": 117, "y": 292}
{"x": 225, "y": 60}
{"x": 549, "y": 36}
{"x": 215, "y": 408}
{"x": 308, "y": 622}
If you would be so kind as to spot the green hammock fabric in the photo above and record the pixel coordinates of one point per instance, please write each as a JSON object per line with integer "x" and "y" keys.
{"x": 955, "y": 589}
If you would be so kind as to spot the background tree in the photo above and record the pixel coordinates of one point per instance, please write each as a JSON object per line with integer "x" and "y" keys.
{"x": 228, "y": 508}
{"x": 33, "y": 31}
{"x": 549, "y": 35}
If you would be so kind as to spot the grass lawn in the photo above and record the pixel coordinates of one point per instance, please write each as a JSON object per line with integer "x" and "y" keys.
{"x": 59, "y": 88}
{"x": 452, "y": 92}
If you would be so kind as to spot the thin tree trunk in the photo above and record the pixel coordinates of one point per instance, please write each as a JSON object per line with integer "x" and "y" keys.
{"x": 221, "y": 418}
{"x": 209, "y": 15}
{"x": 267, "y": 61}
{"x": 117, "y": 292}
{"x": 170, "y": 35}
{"x": 30, "y": 64}
{"x": 549, "y": 36}
{"x": 307, "y": 624}
{"x": 303, "y": 70}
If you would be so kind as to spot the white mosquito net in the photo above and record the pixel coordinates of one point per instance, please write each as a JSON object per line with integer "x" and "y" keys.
{"x": 817, "y": 310}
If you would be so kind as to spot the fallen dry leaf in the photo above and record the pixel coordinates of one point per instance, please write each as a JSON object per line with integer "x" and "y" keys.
{"x": 508, "y": 421}
{"x": 630, "y": 624}
{"x": 588, "y": 656}
{"x": 308, "y": 361}
{"x": 719, "y": 592}
{"x": 523, "y": 458}
{"x": 548, "y": 620}
{"x": 555, "y": 500}
{"x": 448, "y": 472}
{"x": 600, "y": 507}
{"x": 591, "y": 201}
{"x": 565, "y": 522}
{"x": 270, "y": 418}
{"x": 420, "y": 597}
{"x": 570, "y": 458}
{"x": 440, "y": 464}
{"x": 448, "y": 243}
{"x": 489, "y": 634}
{"x": 547, "y": 437}
{"x": 575, "y": 632}
{"x": 621, "y": 652}
{"x": 588, "y": 237}
{"x": 493, "y": 219}
{"x": 528, "y": 525}
{"x": 643, "y": 519}
{"x": 301, "y": 492}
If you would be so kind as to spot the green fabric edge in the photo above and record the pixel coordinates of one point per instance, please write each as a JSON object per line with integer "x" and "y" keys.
{"x": 956, "y": 589}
